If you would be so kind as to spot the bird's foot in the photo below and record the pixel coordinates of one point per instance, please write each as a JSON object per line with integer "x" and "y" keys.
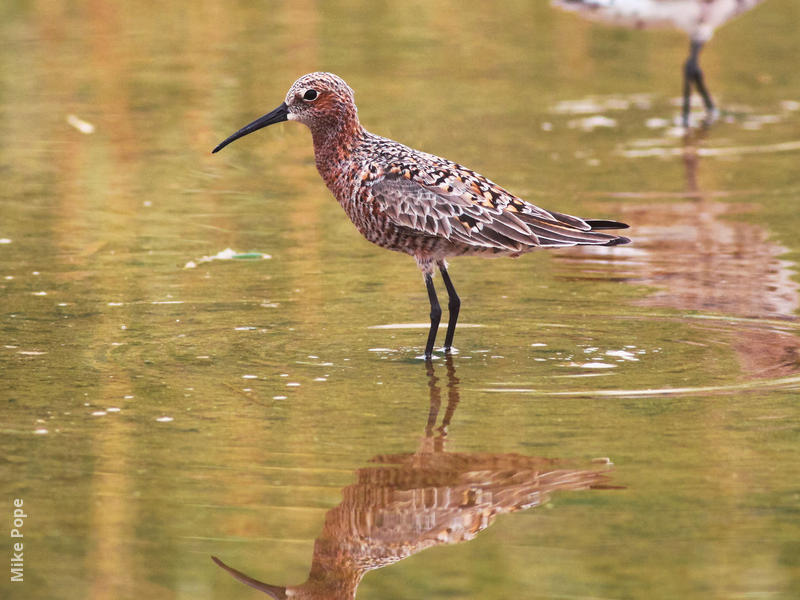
{"x": 711, "y": 117}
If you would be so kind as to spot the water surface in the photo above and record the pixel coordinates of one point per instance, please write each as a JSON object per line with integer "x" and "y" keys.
{"x": 161, "y": 407}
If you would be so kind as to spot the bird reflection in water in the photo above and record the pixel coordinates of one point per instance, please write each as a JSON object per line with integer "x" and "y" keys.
{"x": 413, "y": 501}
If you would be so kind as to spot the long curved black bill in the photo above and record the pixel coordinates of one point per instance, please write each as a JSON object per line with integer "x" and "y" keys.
{"x": 276, "y": 116}
{"x": 273, "y": 591}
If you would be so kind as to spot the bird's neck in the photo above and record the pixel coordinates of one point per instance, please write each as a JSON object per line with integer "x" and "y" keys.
{"x": 334, "y": 143}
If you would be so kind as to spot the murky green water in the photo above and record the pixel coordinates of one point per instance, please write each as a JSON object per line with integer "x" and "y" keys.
{"x": 155, "y": 415}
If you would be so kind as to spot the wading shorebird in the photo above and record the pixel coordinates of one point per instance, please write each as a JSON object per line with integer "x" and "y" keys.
{"x": 698, "y": 18}
{"x": 413, "y": 202}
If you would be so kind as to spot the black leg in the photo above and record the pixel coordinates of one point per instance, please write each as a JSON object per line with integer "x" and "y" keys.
{"x": 687, "y": 91}
{"x": 436, "y": 315}
{"x": 454, "y": 305}
{"x": 693, "y": 74}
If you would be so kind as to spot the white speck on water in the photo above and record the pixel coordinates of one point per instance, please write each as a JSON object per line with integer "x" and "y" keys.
{"x": 590, "y": 349}
{"x": 39, "y": 293}
{"x": 247, "y": 389}
{"x": 279, "y": 397}
{"x": 203, "y": 357}
{"x": 292, "y": 384}
{"x": 538, "y": 345}
{"x": 381, "y": 350}
{"x": 790, "y": 105}
{"x": 147, "y": 203}
{"x": 190, "y": 265}
{"x": 113, "y": 409}
{"x": 31, "y": 352}
{"x": 546, "y": 126}
{"x": 99, "y": 413}
{"x": 115, "y": 304}
{"x": 313, "y": 356}
{"x": 656, "y": 123}
{"x": 83, "y": 126}
{"x": 540, "y": 359}
{"x": 245, "y": 328}
{"x": 592, "y": 123}
{"x": 5, "y": 241}
{"x": 35, "y": 273}
{"x": 123, "y": 327}
{"x": 675, "y": 132}
{"x": 320, "y": 379}
{"x": 9, "y": 277}
{"x": 623, "y": 354}
{"x": 249, "y": 376}
{"x": 593, "y": 104}
{"x": 167, "y": 302}
{"x": 269, "y": 305}
{"x": 164, "y": 419}
{"x": 284, "y": 374}
{"x": 596, "y": 365}
{"x": 40, "y": 431}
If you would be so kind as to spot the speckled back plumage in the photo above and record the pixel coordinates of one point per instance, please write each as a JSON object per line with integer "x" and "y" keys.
{"x": 414, "y": 202}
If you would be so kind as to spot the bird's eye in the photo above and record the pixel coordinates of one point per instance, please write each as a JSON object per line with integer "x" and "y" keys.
{"x": 310, "y": 95}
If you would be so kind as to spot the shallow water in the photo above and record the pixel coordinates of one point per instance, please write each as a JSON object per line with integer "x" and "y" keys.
{"x": 201, "y": 356}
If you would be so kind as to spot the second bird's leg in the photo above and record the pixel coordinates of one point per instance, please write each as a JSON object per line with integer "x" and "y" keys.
{"x": 693, "y": 74}
{"x": 436, "y": 315}
{"x": 454, "y": 305}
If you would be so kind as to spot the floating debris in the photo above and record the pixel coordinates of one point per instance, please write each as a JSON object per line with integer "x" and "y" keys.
{"x": 228, "y": 254}
{"x": 164, "y": 419}
{"x": 80, "y": 124}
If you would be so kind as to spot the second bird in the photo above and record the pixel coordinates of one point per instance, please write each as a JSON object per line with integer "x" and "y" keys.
{"x": 698, "y": 18}
{"x": 410, "y": 201}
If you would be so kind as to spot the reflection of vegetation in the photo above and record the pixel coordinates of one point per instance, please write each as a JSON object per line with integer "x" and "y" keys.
{"x": 419, "y": 500}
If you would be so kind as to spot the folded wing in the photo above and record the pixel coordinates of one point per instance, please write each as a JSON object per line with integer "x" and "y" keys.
{"x": 493, "y": 220}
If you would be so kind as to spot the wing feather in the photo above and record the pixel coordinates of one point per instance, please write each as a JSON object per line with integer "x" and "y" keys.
{"x": 465, "y": 215}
